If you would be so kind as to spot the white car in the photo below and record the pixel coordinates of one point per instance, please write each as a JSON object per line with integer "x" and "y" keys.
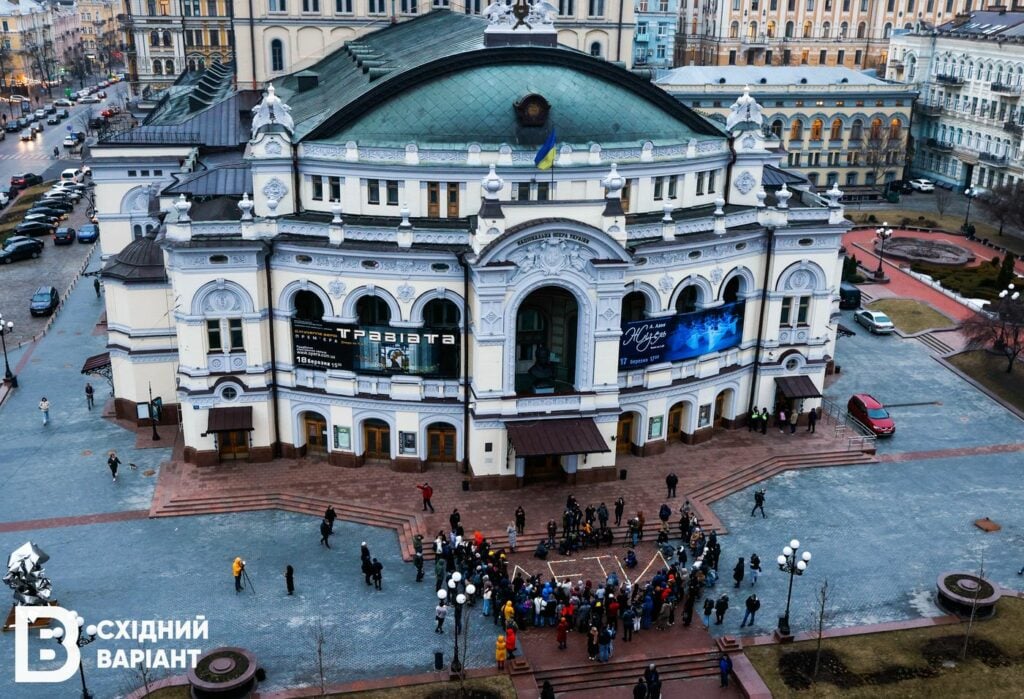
{"x": 922, "y": 185}
{"x": 90, "y": 99}
{"x": 40, "y": 114}
{"x": 875, "y": 321}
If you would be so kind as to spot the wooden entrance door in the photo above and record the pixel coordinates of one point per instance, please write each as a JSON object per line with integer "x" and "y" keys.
{"x": 539, "y": 469}
{"x": 441, "y": 444}
{"x": 453, "y": 200}
{"x": 433, "y": 199}
{"x": 233, "y": 445}
{"x": 719, "y": 409}
{"x": 675, "y": 422}
{"x": 377, "y": 440}
{"x": 624, "y": 435}
{"x": 316, "y": 435}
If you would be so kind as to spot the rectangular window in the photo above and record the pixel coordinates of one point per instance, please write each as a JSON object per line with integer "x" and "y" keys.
{"x": 523, "y": 191}
{"x": 343, "y": 7}
{"x": 567, "y": 8}
{"x": 840, "y": 60}
{"x": 318, "y": 188}
{"x": 543, "y": 191}
{"x": 857, "y": 57}
{"x": 278, "y": 5}
{"x": 595, "y": 8}
{"x": 335, "y": 183}
{"x": 663, "y": 5}
{"x": 787, "y": 310}
{"x": 211, "y": 8}
{"x": 672, "y": 187}
{"x": 409, "y": 7}
{"x": 910, "y": 6}
{"x": 700, "y": 183}
{"x": 392, "y": 187}
{"x": 214, "y": 37}
{"x": 310, "y": 5}
{"x": 732, "y": 58}
{"x": 213, "y": 339}
{"x": 441, "y": 3}
{"x": 711, "y": 181}
{"x": 377, "y": 7}
{"x": 373, "y": 191}
{"x": 890, "y": 5}
{"x": 235, "y": 332}
{"x": 801, "y": 314}
{"x": 822, "y": 57}
{"x": 659, "y": 183}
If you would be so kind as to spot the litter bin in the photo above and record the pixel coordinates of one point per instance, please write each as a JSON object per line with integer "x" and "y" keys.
{"x": 438, "y": 660}
{"x": 465, "y": 485}
{"x": 892, "y": 197}
{"x": 622, "y": 474}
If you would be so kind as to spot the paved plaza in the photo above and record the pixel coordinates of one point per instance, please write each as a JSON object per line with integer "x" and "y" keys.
{"x": 880, "y": 533}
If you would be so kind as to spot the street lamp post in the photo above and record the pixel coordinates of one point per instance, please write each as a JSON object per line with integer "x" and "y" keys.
{"x": 459, "y": 592}
{"x": 5, "y": 330}
{"x": 795, "y": 565}
{"x": 883, "y": 233}
{"x": 83, "y": 640}
{"x": 969, "y": 193}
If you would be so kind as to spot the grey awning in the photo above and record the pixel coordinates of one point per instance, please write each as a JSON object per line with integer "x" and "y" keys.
{"x": 555, "y": 437}
{"x": 797, "y": 387}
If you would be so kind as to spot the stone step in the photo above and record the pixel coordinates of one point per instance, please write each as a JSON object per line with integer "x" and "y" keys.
{"x": 767, "y": 469}
{"x": 934, "y": 343}
{"x": 595, "y": 676}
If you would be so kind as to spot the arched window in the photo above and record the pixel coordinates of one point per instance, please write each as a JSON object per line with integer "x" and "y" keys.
{"x": 895, "y": 130}
{"x": 826, "y": 30}
{"x": 752, "y": 30}
{"x": 844, "y": 29}
{"x": 373, "y": 310}
{"x": 688, "y": 298}
{"x": 887, "y": 30}
{"x": 169, "y": 67}
{"x": 633, "y": 306}
{"x": 796, "y": 130}
{"x": 808, "y": 26}
{"x": 771, "y": 29}
{"x": 154, "y": 38}
{"x": 192, "y": 64}
{"x": 167, "y": 38}
{"x": 777, "y": 128}
{"x": 731, "y": 293}
{"x": 833, "y": 178}
{"x": 837, "y": 130}
{"x": 862, "y": 30}
{"x": 308, "y": 306}
{"x": 441, "y": 313}
{"x": 876, "y": 129}
{"x": 276, "y": 55}
{"x": 734, "y": 30}
{"x": 595, "y": 49}
{"x": 158, "y": 67}
{"x": 789, "y": 30}
{"x": 817, "y": 126}
{"x": 857, "y": 130}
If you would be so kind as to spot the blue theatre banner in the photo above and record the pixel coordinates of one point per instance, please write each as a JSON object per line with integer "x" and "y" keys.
{"x": 682, "y": 336}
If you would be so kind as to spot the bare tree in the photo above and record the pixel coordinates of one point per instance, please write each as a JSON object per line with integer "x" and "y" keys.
{"x": 821, "y": 613}
{"x": 942, "y": 198}
{"x": 318, "y": 636}
{"x": 974, "y": 609}
{"x": 1000, "y": 329}
{"x": 882, "y": 152}
{"x": 1003, "y": 204}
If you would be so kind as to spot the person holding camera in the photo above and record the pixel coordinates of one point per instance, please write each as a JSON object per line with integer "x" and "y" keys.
{"x": 758, "y": 503}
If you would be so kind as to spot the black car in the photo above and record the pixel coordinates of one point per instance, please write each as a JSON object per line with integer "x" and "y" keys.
{"x": 20, "y": 248}
{"x": 47, "y": 210}
{"x": 12, "y": 126}
{"x": 59, "y": 203}
{"x": 44, "y": 301}
{"x": 27, "y": 179}
{"x": 34, "y": 228}
{"x": 64, "y": 236}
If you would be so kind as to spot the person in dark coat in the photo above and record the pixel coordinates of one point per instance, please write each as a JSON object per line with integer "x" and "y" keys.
{"x": 764, "y": 420}
{"x": 547, "y": 691}
{"x": 330, "y": 515}
{"x": 112, "y": 463}
{"x": 758, "y": 503}
{"x": 377, "y": 569}
{"x": 289, "y": 579}
{"x": 454, "y": 518}
{"x": 709, "y": 608}
{"x": 671, "y": 481}
{"x": 724, "y": 668}
{"x": 653, "y": 680}
{"x": 364, "y": 551}
{"x": 664, "y": 512}
{"x": 720, "y": 608}
{"x": 812, "y": 420}
{"x": 752, "y": 604}
{"x": 520, "y": 520}
{"x": 753, "y": 421}
{"x": 640, "y": 689}
{"x": 325, "y": 533}
{"x": 417, "y": 560}
{"x": 367, "y": 570}
{"x": 738, "y": 571}
{"x": 620, "y": 507}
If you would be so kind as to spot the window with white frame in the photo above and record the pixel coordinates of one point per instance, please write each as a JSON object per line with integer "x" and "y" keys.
{"x": 795, "y": 310}
{"x": 224, "y": 335}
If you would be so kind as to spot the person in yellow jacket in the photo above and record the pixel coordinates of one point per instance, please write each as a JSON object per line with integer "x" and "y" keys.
{"x": 499, "y": 652}
{"x": 509, "y": 613}
{"x": 237, "y": 568}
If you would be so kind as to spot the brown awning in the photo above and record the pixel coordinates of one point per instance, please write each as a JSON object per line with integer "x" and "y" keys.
{"x": 96, "y": 362}
{"x": 229, "y": 419}
{"x": 797, "y": 387}
{"x": 555, "y": 437}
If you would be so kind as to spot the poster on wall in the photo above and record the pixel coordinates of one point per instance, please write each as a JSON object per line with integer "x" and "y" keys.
{"x": 342, "y": 437}
{"x": 376, "y": 349}
{"x": 654, "y": 430}
{"x": 407, "y": 442}
{"x": 682, "y": 336}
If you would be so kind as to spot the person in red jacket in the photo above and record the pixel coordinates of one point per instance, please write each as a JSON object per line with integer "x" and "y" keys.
{"x": 510, "y": 642}
{"x": 427, "y": 492}
{"x": 562, "y": 633}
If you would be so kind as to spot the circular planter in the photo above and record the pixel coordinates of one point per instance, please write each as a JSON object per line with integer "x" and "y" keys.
{"x": 936, "y": 252}
{"x": 223, "y": 673}
{"x": 958, "y": 593}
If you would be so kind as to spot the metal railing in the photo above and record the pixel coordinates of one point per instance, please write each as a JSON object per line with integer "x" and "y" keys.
{"x": 850, "y": 431}
{"x": 949, "y": 79}
{"x": 1004, "y": 88}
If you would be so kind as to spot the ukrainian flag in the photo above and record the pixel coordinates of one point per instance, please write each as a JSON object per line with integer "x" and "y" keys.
{"x": 545, "y": 158}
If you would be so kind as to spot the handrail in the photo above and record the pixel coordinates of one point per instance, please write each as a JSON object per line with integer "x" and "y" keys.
{"x": 862, "y": 439}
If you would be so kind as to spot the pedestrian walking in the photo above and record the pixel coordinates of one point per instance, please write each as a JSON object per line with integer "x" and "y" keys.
{"x": 620, "y": 507}
{"x": 325, "y": 533}
{"x": 439, "y": 615}
{"x": 724, "y": 668}
{"x": 640, "y": 689}
{"x": 330, "y": 515}
{"x": 721, "y": 606}
{"x": 96, "y": 286}
{"x": 709, "y": 608}
{"x": 520, "y": 520}
{"x": 237, "y": 568}
{"x": 454, "y": 518}
{"x": 671, "y": 481}
{"x": 88, "y": 395}
{"x": 738, "y": 571}
{"x": 44, "y": 408}
{"x": 289, "y": 579}
{"x": 427, "y": 493}
{"x": 764, "y": 420}
{"x": 112, "y": 463}
{"x": 653, "y": 680}
{"x": 417, "y": 560}
{"x": 547, "y": 691}
{"x": 511, "y": 530}
{"x": 367, "y": 568}
{"x": 758, "y": 502}
{"x": 794, "y": 418}
{"x": 812, "y": 420}
{"x": 752, "y": 605}
{"x": 364, "y": 551}
{"x": 500, "y": 651}
{"x": 780, "y": 420}
{"x": 755, "y": 568}
{"x": 378, "y": 574}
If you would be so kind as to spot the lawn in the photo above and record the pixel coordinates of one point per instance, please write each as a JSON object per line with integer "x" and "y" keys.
{"x": 11, "y": 216}
{"x": 948, "y": 222}
{"x": 921, "y": 663}
{"x": 911, "y": 316}
{"x": 990, "y": 371}
{"x": 978, "y": 282}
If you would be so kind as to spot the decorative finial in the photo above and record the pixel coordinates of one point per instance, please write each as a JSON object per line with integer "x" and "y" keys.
{"x": 613, "y": 182}
{"x": 492, "y": 183}
{"x": 336, "y": 211}
{"x": 405, "y": 217}
{"x": 783, "y": 195}
{"x": 666, "y": 212}
{"x": 719, "y": 203}
{"x": 182, "y": 206}
{"x": 761, "y": 196}
{"x": 834, "y": 195}
{"x": 272, "y": 206}
{"x": 246, "y": 207}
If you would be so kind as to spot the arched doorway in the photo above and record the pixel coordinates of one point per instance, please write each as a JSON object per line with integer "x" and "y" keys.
{"x": 546, "y": 342}
{"x": 724, "y": 408}
{"x": 308, "y": 306}
{"x": 376, "y": 440}
{"x": 441, "y": 443}
{"x": 624, "y": 433}
{"x": 314, "y": 428}
{"x": 678, "y": 420}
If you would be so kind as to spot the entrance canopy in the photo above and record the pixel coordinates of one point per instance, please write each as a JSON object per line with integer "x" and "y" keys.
{"x": 797, "y": 387}
{"x": 556, "y": 437}
{"x": 229, "y": 419}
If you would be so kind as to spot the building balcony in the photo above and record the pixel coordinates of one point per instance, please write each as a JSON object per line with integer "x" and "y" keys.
{"x": 949, "y": 80}
{"x": 941, "y": 146}
{"x": 642, "y": 37}
{"x": 993, "y": 160}
{"x": 1004, "y": 89}
{"x": 1014, "y": 127}
{"x": 896, "y": 64}
{"x": 926, "y": 109}
{"x": 759, "y": 41}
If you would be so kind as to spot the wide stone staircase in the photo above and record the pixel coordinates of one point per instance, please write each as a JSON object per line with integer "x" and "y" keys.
{"x": 593, "y": 677}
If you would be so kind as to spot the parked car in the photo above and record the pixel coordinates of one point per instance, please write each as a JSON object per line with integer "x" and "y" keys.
{"x": 20, "y": 248}
{"x": 71, "y": 174}
{"x": 48, "y": 209}
{"x": 61, "y": 206}
{"x": 869, "y": 412}
{"x": 88, "y": 233}
{"x": 109, "y": 112}
{"x": 64, "y": 103}
{"x": 64, "y": 236}
{"x": 90, "y": 99}
{"x": 101, "y": 94}
{"x": 39, "y": 113}
{"x": 27, "y": 179}
{"x": 35, "y": 228}
{"x": 62, "y": 193}
{"x": 12, "y": 126}
{"x": 875, "y": 321}
{"x": 5, "y": 198}
{"x": 849, "y": 296}
{"x": 44, "y": 301}
{"x": 37, "y": 217}
{"x": 50, "y": 107}
{"x": 922, "y": 185}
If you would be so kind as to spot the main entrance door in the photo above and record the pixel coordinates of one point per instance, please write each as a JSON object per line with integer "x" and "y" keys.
{"x": 539, "y": 469}
{"x": 675, "y": 423}
{"x": 376, "y": 440}
{"x": 233, "y": 445}
{"x": 440, "y": 443}
{"x": 624, "y": 434}
{"x": 316, "y": 434}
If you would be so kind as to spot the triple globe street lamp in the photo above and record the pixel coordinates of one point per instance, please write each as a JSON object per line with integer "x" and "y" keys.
{"x": 790, "y": 562}
{"x": 970, "y": 193}
{"x": 86, "y": 635}
{"x": 459, "y": 592}
{"x": 883, "y": 233}
{"x": 6, "y": 328}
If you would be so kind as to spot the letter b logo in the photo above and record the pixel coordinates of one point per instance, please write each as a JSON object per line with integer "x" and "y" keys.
{"x": 23, "y": 617}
